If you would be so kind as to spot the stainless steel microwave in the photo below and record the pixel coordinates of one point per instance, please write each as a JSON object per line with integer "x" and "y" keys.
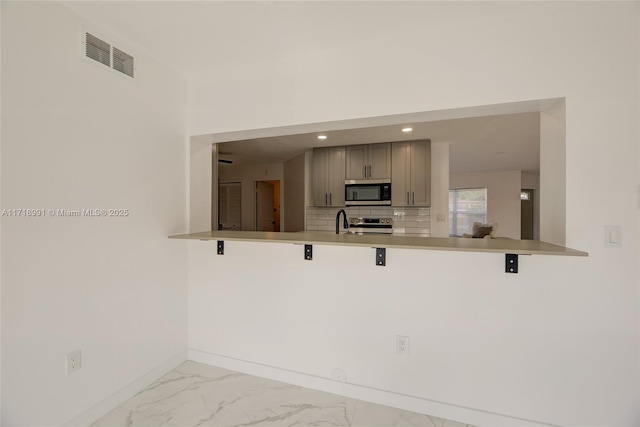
{"x": 367, "y": 192}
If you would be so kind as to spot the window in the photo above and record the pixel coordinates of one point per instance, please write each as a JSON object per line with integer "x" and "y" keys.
{"x": 466, "y": 206}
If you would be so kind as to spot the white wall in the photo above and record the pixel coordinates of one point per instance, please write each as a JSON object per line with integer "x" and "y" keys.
{"x": 503, "y": 197}
{"x": 1, "y": 207}
{"x": 75, "y": 136}
{"x": 553, "y": 173}
{"x": 558, "y": 342}
{"x": 247, "y": 176}
{"x": 203, "y": 171}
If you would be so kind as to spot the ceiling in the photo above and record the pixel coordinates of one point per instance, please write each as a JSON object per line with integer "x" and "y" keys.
{"x": 477, "y": 144}
{"x": 194, "y": 37}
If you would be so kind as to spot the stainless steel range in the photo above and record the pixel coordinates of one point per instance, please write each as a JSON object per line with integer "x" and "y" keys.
{"x": 360, "y": 225}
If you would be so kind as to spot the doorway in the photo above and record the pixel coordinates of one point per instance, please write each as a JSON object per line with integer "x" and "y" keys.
{"x": 267, "y": 206}
{"x": 230, "y": 206}
{"x": 526, "y": 214}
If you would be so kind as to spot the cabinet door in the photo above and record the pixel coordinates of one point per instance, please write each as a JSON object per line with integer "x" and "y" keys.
{"x": 420, "y": 173}
{"x": 336, "y": 173}
{"x": 379, "y": 166}
{"x": 357, "y": 162}
{"x": 319, "y": 177}
{"x": 400, "y": 174}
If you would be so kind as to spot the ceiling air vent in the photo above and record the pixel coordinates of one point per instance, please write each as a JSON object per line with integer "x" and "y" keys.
{"x": 109, "y": 55}
{"x": 97, "y": 49}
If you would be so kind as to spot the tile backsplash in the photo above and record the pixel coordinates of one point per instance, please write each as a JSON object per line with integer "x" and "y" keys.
{"x": 405, "y": 220}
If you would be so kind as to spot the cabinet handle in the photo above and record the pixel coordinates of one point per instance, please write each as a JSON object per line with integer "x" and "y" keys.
{"x": 413, "y": 194}
{"x": 369, "y": 171}
{"x": 325, "y": 199}
{"x": 407, "y": 198}
{"x": 330, "y": 199}
{"x": 365, "y": 171}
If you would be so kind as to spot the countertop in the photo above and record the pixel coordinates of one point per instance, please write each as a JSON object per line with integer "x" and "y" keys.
{"x": 519, "y": 247}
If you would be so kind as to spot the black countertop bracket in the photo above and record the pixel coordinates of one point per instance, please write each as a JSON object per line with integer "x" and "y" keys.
{"x": 511, "y": 263}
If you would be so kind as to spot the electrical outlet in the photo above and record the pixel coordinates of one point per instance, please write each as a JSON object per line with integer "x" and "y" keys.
{"x": 73, "y": 362}
{"x": 402, "y": 344}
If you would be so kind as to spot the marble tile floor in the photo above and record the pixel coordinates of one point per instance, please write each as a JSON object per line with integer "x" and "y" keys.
{"x": 195, "y": 394}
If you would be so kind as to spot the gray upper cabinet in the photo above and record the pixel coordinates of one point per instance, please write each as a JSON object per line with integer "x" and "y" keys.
{"x": 401, "y": 176}
{"x": 372, "y": 161}
{"x": 411, "y": 178}
{"x": 328, "y": 176}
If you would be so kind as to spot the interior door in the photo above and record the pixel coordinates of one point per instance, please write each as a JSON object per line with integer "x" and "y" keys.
{"x": 526, "y": 214}
{"x": 264, "y": 206}
{"x": 229, "y": 206}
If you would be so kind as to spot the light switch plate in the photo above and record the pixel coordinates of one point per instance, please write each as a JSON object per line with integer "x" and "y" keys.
{"x": 612, "y": 236}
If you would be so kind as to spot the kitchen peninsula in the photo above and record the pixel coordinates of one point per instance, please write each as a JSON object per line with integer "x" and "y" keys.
{"x": 506, "y": 246}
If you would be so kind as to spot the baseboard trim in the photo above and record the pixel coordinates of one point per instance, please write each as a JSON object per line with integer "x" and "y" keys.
{"x": 355, "y": 391}
{"x": 95, "y": 412}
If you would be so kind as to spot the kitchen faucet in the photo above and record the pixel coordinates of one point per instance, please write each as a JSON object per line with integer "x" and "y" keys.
{"x": 346, "y": 224}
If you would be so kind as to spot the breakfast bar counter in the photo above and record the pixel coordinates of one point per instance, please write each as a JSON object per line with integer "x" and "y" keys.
{"x": 497, "y": 245}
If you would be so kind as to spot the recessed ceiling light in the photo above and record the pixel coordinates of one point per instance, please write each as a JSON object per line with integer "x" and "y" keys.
{"x": 322, "y": 136}
{"x": 407, "y": 130}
